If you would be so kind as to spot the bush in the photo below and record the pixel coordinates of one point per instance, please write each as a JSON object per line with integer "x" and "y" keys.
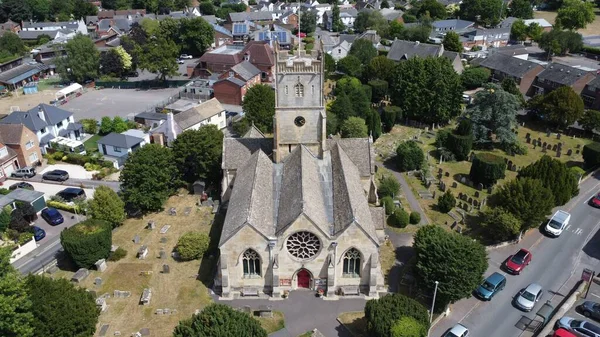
{"x": 499, "y": 224}
{"x": 399, "y": 218}
{"x": 388, "y": 203}
{"x": 4, "y": 191}
{"x": 87, "y": 242}
{"x": 487, "y": 169}
{"x": 446, "y": 202}
{"x": 90, "y": 125}
{"x": 65, "y": 207}
{"x": 591, "y": 154}
{"x": 192, "y": 245}
{"x": 415, "y": 218}
{"x": 117, "y": 255}
{"x": 58, "y": 155}
{"x": 554, "y": 175}
{"x": 409, "y": 156}
{"x": 474, "y": 77}
{"x": 220, "y": 320}
{"x": 381, "y": 314}
{"x": 408, "y": 327}
{"x": 388, "y": 186}
{"x": 459, "y": 145}
{"x": 516, "y": 148}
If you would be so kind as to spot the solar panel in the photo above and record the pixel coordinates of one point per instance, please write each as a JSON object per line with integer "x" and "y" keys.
{"x": 280, "y": 36}
{"x": 240, "y": 28}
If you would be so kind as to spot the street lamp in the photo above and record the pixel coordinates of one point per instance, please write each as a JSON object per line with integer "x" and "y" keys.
{"x": 433, "y": 302}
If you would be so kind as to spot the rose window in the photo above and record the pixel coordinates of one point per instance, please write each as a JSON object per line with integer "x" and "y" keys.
{"x": 303, "y": 245}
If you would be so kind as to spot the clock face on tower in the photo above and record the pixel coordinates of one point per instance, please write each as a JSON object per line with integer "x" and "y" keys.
{"x": 299, "y": 121}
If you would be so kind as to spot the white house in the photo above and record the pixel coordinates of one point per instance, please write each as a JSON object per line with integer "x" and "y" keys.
{"x": 347, "y": 16}
{"x": 341, "y": 50}
{"x": 116, "y": 147}
{"x": 78, "y": 26}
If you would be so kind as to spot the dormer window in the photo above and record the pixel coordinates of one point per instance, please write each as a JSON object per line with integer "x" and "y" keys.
{"x": 246, "y": 57}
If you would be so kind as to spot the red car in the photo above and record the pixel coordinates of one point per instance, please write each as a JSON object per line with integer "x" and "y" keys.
{"x": 595, "y": 201}
{"x": 517, "y": 262}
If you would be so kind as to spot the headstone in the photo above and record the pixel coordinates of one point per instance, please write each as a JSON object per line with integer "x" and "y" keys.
{"x": 528, "y": 140}
{"x": 470, "y": 201}
{"x": 554, "y": 147}
{"x": 463, "y": 179}
{"x": 447, "y": 174}
{"x": 136, "y": 239}
{"x": 549, "y": 146}
{"x": 539, "y": 140}
{"x": 558, "y": 154}
{"x": 151, "y": 224}
{"x": 172, "y": 211}
{"x": 159, "y": 311}
{"x": 543, "y": 150}
{"x": 103, "y": 330}
{"x": 145, "y": 332}
{"x": 165, "y": 229}
{"x": 187, "y": 211}
{"x": 440, "y": 171}
{"x": 163, "y": 240}
{"x": 52, "y": 270}
{"x": 560, "y": 145}
{"x": 528, "y": 135}
{"x": 476, "y": 194}
{"x": 146, "y": 296}
{"x": 80, "y": 275}
{"x": 544, "y": 144}
{"x": 142, "y": 252}
{"x": 471, "y": 156}
{"x": 569, "y": 152}
{"x": 490, "y": 189}
{"x": 548, "y": 133}
{"x": 117, "y": 333}
{"x": 98, "y": 281}
{"x": 101, "y": 304}
{"x": 443, "y": 186}
{"x": 167, "y": 311}
{"x": 558, "y": 136}
{"x": 166, "y": 269}
{"x": 578, "y": 146}
{"x": 113, "y": 248}
{"x": 577, "y": 152}
{"x": 460, "y": 195}
{"x": 534, "y": 145}
{"x": 479, "y": 186}
{"x": 101, "y": 265}
{"x": 163, "y": 254}
{"x": 509, "y": 164}
{"x": 475, "y": 202}
{"x": 454, "y": 184}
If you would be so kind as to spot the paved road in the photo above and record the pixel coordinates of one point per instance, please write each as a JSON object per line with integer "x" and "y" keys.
{"x": 87, "y": 183}
{"x": 556, "y": 266}
{"x": 40, "y": 257}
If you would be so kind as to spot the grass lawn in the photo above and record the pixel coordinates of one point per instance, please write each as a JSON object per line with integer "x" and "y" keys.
{"x": 387, "y": 258}
{"x": 48, "y": 83}
{"x": 91, "y": 145}
{"x": 591, "y": 29}
{"x": 355, "y": 322}
{"x": 273, "y": 324}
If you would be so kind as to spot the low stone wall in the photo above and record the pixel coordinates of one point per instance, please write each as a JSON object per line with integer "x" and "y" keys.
{"x": 562, "y": 309}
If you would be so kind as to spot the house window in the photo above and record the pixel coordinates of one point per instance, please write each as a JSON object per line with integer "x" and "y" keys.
{"x": 339, "y": 50}
{"x": 251, "y": 263}
{"x": 43, "y": 130}
{"x": 263, "y": 75}
{"x": 208, "y": 119}
{"x": 33, "y": 157}
{"x": 59, "y": 125}
{"x": 312, "y": 89}
{"x": 352, "y": 263}
{"x": 220, "y": 114}
{"x": 116, "y": 149}
{"x": 299, "y": 88}
{"x": 29, "y": 145}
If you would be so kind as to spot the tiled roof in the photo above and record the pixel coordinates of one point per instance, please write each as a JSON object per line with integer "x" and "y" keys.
{"x": 359, "y": 150}
{"x": 11, "y": 133}
{"x": 454, "y": 24}
{"x": 72, "y": 24}
{"x": 34, "y": 34}
{"x": 253, "y": 132}
{"x": 250, "y": 16}
{"x": 31, "y": 120}
{"x": 509, "y": 65}
{"x": 260, "y": 52}
{"x": 246, "y": 70}
{"x": 120, "y": 140}
{"x": 10, "y": 154}
{"x": 233, "y": 80}
{"x": 197, "y": 114}
{"x": 407, "y": 49}
{"x": 22, "y": 70}
{"x": 53, "y": 114}
{"x": 561, "y": 74}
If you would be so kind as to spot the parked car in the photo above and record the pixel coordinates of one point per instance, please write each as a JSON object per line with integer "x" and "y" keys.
{"x": 590, "y": 309}
{"x": 52, "y": 216}
{"x": 21, "y": 184}
{"x": 492, "y": 285}
{"x": 38, "y": 233}
{"x": 458, "y": 330}
{"x": 25, "y": 172}
{"x": 562, "y": 333}
{"x": 558, "y": 223}
{"x": 595, "y": 201}
{"x": 579, "y": 328}
{"x": 528, "y": 297}
{"x": 71, "y": 193}
{"x": 56, "y": 175}
{"x": 180, "y": 61}
{"x": 185, "y": 56}
{"x": 517, "y": 262}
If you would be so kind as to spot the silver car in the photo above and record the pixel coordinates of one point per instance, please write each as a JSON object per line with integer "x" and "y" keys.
{"x": 527, "y": 297}
{"x": 458, "y": 330}
{"x": 579, "y": 328}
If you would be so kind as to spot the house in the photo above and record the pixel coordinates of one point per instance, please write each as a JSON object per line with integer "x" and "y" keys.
{"x": 391, "y": 14}
{"x": 340, "y": 50}
{"x": 249, "y": 16}
{"x": 591, "y": 94}
{"x": 546, "y": 26}
{"x": 33, "y": 198}
{"x": 280, "y": 35}
{"x": 9, "y": 26}
{"x": 79, "y": 26}
{"x": 116, "y": 147}
{"x": 232, "y": 85}
{"x": 403, "y": 50}
{"x": 289, "y": 18}
{"x": 494, "y": 37}
{"x": 150, "y": 119}
{"x": 8, "y": 161}
{"x": 556, "y": 75}
{"x": 14, "y": 73}
{"x": 502, "y": 66}
{"x": 47, "y": 122}
{"x": 372, "y": 36}
{"x": 347, "y": 16}
{"x": 118, "y": 26}
{"x": 23, "y": 142}
{"x": 109, "y": 14}
{"x": 452, "y": 25}
{"x": 222, "y": 36}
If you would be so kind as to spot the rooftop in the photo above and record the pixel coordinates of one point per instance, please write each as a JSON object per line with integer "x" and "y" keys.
{"x": 195, "y": 115}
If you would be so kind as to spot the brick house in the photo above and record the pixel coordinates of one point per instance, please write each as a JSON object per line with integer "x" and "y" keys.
{"x": 9, "y": 26}
{"x": 23, "y": 142}
{"x": 503, "y": 66}
{"x": 557, "y": 75}
{"x": 8, "y": 161}
{"x": 233, "y": 84}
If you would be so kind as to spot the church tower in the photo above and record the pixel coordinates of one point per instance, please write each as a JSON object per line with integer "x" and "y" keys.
{"x": 300, "y": 116}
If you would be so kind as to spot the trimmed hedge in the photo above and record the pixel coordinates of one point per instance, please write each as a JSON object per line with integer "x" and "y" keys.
{"x": 65, "y": 207}
{"x": 388, "y": 204}
{"x": 381, "y": 314}
{"x": 87, "y": 242}
{"x": 459, "y": 145}
{"x": 409, "y": 156}
{"x": 399, "y": 218}
{"x": 591, "y": 154}
{"x": 487, "y": 169}
{"x": 415, "y": 218}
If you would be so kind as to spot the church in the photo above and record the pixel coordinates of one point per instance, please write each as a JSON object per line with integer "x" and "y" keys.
{"x": 299, "y": 205}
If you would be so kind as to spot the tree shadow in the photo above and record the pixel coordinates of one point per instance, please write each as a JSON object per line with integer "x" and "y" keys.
{"x": 403, "y": 256}
{"x": 64, "y": 261}
{"x": 208, "y": 264}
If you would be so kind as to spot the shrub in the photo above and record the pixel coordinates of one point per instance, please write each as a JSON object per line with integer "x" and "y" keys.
{"x": 58, "y": 155}
{"x": 388, "y": 186}
{"x": 500, "y": 224}
{"x": 90, "y": 125}
{"x": 117, "y": 255}
{"x": 446, "y": 202}
{"x": 415, "y": 218}
{"x": 527, "y": 199}
{"x": 220, "y": 320}
{"x": 515, "y": 148}
{"x": 487, "y": 168}
{"x": 64, "y": 206}
{"x": 409, "y": 156}
{"x": 192, "y": 245}
{"x": 51, "y": 161}
{"x": 388, "y": 203}
{"x": 107, "y": 206}
{"x": 87, "y": 242}
{"x": 459, "y": 145}
{"x": 554, "y": 175}
{"x": 464, "y": 128}
{"x": 408, "y": 327}
{"x": 591, "y": 154}
{"x": 399, "y": 218}
{"x": 4, "y": 191}
{"x": 382, "y": 313}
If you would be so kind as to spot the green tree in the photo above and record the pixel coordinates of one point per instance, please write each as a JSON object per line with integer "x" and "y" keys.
{"x": 61, "y": 309}
{"x": 388, "y": 205}
{"x": 341, "y": 108}
{"x": 354, "y": 127}
{"x": 358, "y": 94}
{"x": 259, "y": 106}
{"x": 534, "y": 31}
{"x": 409, "y": 156}
{"x": 388, "y": 186}
{"x": 518, "y": 30}
{"x": 371, "y": 20}
{"x": 333, "y": 124}
{"x": 554, "y": 175}
{"x": 350, "y": 65}
{"x": 181, "y": 4}
{"x": 399, "y": 218}
{"x": 485, "y": 12}
{"x": 329, "y": 64}
{"x": 15, "y": 10}
{"x": 575, "y": 14}
{"x": 474, "y": 77}
{"x": 527, "y": 199}
{"x": 148, "y": 178}
{"x": 219, "y": 320}
{"x": 198, "y": 154}
{"x": 559, "y": 42}
{"x": 389, "y": 115}
{"x": 111, "y": 64}
{"x": 509, "y": 85}
{"x": 379, "y": 89}
{"x": 109, "y": 4}
{"x": 590, "y": 120}
{"x": 159, "y": 56}
{"x": 396, "y": 30}
{"x": 385, "y": 4}
{"x": 499, "y": 224}
{"x": 521, "y": 9}
{"x": 408, "y": 327}
{"x": 364, "y": 50}
{"x": 107, "y": 206}
{"x": 380, "y": 67}
{"x": 381, "y": 314}
{"x": 106, "y": 125}
{"x": 433, "y": 8}
{"x": 119, "y": 125}
{"x": 192, "y": 245}
{"x": 22, "y": 217}
{"x": 446, "y": 202}
{"x": 451, "y": 42}
{"x": 562, "y": 106}
{"x": 591, "y": 154}
{"x": 487, "y": 169}
{"x": 169, "y": 29}
{"x": 459, "y": 145}
{"x": 494, "y": 114}
{"x": 458, "y": 272}
{"x": 196, "y": 35}
{"x": 415, "y": 218}
{"x": 207, "y": 8}
{"x": 5, "y": 218}
{"x": 336, "y": 22}
{"x": 82, "y": 60}
{"x": 374, "y": 124}
{"x": 39, "y": 9}
{"x": 308, "y": 21}
{"x": 83, "y": 8}
{"x": 11, "y": 43}
{"x": 16, "y": 319}
{"x": 87, "y": 242}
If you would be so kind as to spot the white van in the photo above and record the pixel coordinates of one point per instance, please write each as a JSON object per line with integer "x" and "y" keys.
{"x": 558, "y": 223}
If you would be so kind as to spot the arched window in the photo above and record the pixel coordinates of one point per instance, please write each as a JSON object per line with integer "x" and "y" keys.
{"x": 299, "y": 90}
{"x": 352, "y": 263}
{"x": 251, "y": 263}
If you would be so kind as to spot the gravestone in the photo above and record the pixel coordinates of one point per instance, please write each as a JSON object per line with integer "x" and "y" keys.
{"x": 514, "y": 168}
{"x": 165, "y": 229}
{"x": 543, "y": 150}
{"x": 558, "y": 136}
{"x": 577, "y": 152}
{"x": 103, "y": 330}
{"x": 146, "y": 296}
{"x": 167, "y": 311}
{"x": 539, "y": 140}
{"x": 101, "y": 265}
{"x": 490, "y": 189}
{"x": 558, "y": 154}
{"x": 549, "y": 146}
{"x": 98, "y": 281}
{"x": 569, "y": 152}
{"x": 548, "y": 133}
{"x": 151, "y": 224}
{"x": 544, "y": 144}
{"x": 172, "y": 211}
{"x": 528, "y": 135}
{"x": 145, "y": 332}
{"x": 475, "y": 202}
{"x": 479, "y": 186}
{"x": 117, "y": 333}
{"x": 454, "y": 184}
{"x": 534, "y": 145}
{"x": 465, "y": 197}
{"x": 476, "y": 194}
{"x": 443, "y": 186}
{"x": 447, "y": 174}
{"x": 80, "y": 275}
{"x": 247, "y": 309}
{"x": 560, "y": 145}
{"x": 265, "y": 311}
{"x": 578, "y": 146}
{"x": 460, "y": 195}
{"x": 142, "y": 252}
{"x": 555, "y": 147}
{"x": 471, "y": 156}
{"x": 509, "y": 164}
{"x": 528, "y": 140}
{"x": 166, "y": 269}
{"x": 159, "y": 311}
{"x": 136, "y": 239}
{"x": 470, "y": 201}
{"x": 101, "y": 304}
{"x": 440, "y": 171}
{"x": 187, "y": 211}
{"x": 163, "y": 254}
{"x": 463, "y": 179}
{"x": 113, "y": 248}
{"x": 52, "y": 270}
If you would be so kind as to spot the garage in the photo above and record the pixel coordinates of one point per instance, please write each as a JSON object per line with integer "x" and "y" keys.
{"x": 8, "y": 168}
{"x": 34, "y": 198}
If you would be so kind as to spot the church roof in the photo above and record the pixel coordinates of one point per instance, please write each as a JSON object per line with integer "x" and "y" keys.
{"x": 253, "y": 132}
{"x": 359, "y": 150}
{"x": 237, "y": 151}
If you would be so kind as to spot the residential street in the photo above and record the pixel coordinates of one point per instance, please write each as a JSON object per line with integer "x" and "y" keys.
{"x": 87, "y": 183}
{"x": 556, "y": 265}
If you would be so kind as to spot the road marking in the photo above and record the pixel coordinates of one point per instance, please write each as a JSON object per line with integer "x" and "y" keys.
{"x": 567, "y": 228}
{"x": 595, "y": 295}
{"x": 470, "y": 311}
{"x": 578, "y": 231}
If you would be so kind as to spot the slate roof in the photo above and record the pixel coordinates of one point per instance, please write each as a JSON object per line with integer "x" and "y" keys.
{"x": 13, "y": 74}
{"x": 453, "y": 24}
{"x": 233, "y": 80}
{"x": 72, "y": 24}
{"x": 34, "y": 34}
{"x": 155, "y": 116}
{"x": 401, "y": 50}
{"x": 11, "y": 133}
{"x": 10, "y": 154}
{"x": 250, "y": 16}
{"x": 509, "y": 65}
{"x": 378, "y": 216}
{"x": 31, "y": 120}
{"x": 197, "y": 114}
{"x": 23, "y": 194}
{"x": 120, "y": 24}
{"x": 246, "y": 70}
{"x": 391, "y": 14}
{"x": 561, "y": 74}
{"x": 253, "y": 132}
{"x": 120, "y": 140}
{"x": 370, "y": 35}
{"x": 237, "y": 151}
{"x": 594, "y": 84}
{"x": 359, "y": 150}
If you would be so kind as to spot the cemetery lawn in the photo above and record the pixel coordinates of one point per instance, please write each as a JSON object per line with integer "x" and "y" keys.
{"x": 387, "y": 258}
{"x": 181, "y": 289}
{"x": 273, "y": 324}
{"x": 355, "y": 322}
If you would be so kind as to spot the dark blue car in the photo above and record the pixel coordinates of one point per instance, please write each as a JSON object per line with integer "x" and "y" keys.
{"x": 491, "y": 286}
{"x": 38, "y": 233}
{"x": 52, "y": 216}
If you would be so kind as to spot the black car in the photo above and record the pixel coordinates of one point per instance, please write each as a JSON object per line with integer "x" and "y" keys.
{"x": 56, "y": 175}
{"x": 590, "y": 309}
{"x": 52, "y": 216}
{"x": 71, "y": 193}
{"x": 21, "y": 184}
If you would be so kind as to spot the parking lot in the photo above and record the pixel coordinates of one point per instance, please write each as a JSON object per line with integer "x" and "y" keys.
{"x": 576, "y": 312}
{"x": 54, "y": 231}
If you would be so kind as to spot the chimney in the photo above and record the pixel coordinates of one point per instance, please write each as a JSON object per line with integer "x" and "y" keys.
{"x": 41, "y": 113}
{"x": 170, "y": 132}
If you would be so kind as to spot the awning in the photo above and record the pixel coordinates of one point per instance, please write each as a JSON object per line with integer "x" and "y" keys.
{"x": 65, "y": 91}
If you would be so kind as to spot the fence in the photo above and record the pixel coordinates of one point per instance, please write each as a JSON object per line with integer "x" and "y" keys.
{"x": 142, "y": 84}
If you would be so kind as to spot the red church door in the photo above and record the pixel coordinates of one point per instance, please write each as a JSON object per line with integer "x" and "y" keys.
{"x": 303, "y": 279}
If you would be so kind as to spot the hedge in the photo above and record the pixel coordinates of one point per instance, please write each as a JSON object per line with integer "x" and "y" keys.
{"x": 381, "y": 314}
{"x": 459, "y": 145}
{"x": 591, "y": 154}
{"x": 388, "y": 204}
{"x": 399, "y": 218}
{"x": 415, "y": 218}
{"x": 87, "y": 242}
{"x": 65, "y": 207}
{"x": 487, "y": 169}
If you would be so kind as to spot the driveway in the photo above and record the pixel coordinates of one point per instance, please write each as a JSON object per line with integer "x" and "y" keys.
{"x": 75, "y": 171}
{"x": 54, "y": 231}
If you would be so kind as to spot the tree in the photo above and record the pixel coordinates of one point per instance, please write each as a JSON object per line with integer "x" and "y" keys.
{"x": 5, "y": 218}
{"x": 107, "y": 206}
{"x": 111, "y": 64}
{"x": 521, "y": 9}
{"x": 196, "y": 35}
{"x": 458, "y": 272}
{"x": 11, "y": 43}
{"x": 350, "y": 65}
{"x": 342, "y": 107}
{"x": 109, "y": 4}
{"x": 381, "y": 314}
{"x": 83, "y": 8}
{"x": 43, "y": 39}
{"x": 15, "y": 10}
{"x": 192, "y": 245}
{"x": 379, "y": 90}
{"x": 459, "y": 145}
{"x": 559, "y": 42}
{"x": 485, "y": 12}
{"x": 159, "y": 56}
{"x": 388, "y": 205}
{"x": 119, "y": 125}
{"x": 487, "y": 169}
{"x": 389, "y": 115}
{"x": 446, "y": 202}
{"x": 408, "y": 327}
{"x": 198, "y": 154}
{"x": 336, "y": 22}
{"x": 38, "y": 9}
{"x": 61, "y": 309}
{"x": 308, "y": 21}
{"x": 380, "y": 68}
{"x": 388, "y": 186}
{"x": 181, "y": 4}
{"x": 409, "y": 156}
{"x": 562, "y": 106}
{"x": 16, "y": 319}
{"x": 575, "y": 14}
{"x": 22, "y": 217}
{"x": 590, "y": 120}
{"x": 499, "y": 224}
{"x": 427, "y": 89}
{"x": 364, "y": 50}
{"x": 399, "y": 218}
{"x": 82, "y": 60}
{"x": 518, "y": 30}
{"x": 354, "y": 127}
{"x": 207, "y": 8}
{"x": 554, "y": 175}
{"x": 415, "y": 218}
{"x": 591, "y": 154}
{"x": 534, "y": 31}
{"x": 385, "y": 4}
{"x": 374, "y": 124}
{"x": 87, "y": 242}
{"x": 329, "y": 64}
{"x": 124, "y": 56}
{"x": 474, "y": 77}
{"x": 148, "y": 178}
{"x": 509, "y": 85}
{"x": 527, "y": 199}
{"x": 259, "y": 106}
{"x": 435, "y": 9}
{"x": 493, "y": 115}
{"x": 333, "y": 124}
{"x": 219, "y": 320}
{"x": 451, "y": 42}
{"x": 106, "y": 125}
{"x": 371, "y": 20}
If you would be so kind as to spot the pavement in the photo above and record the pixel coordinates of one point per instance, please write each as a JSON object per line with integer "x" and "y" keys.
{"x": 49, "y": 189}
{"x": 75, "y": 171}
{"x": 592, "y": 295}
{"x": 556, "y": 265}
